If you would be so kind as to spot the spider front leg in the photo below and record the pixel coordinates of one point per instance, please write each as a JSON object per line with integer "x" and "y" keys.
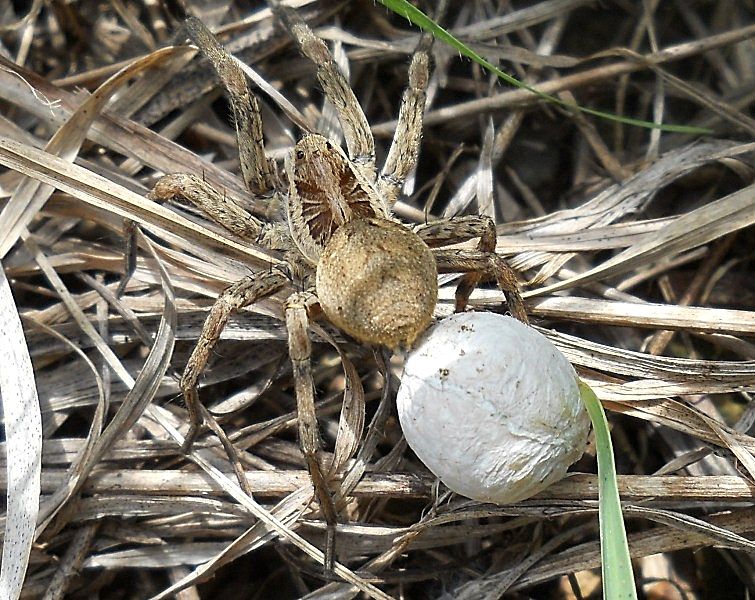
{"x": 404, "y": 149}
{"x": 455, "y": 230}
{"x": 300, "y": 351}
{"x": 477, "y": 265}
{"x": 220, "y": 208}
{"x": 242, "y": 293}
{"x": 356, "y": 128}
{"x": 258, "y": 171}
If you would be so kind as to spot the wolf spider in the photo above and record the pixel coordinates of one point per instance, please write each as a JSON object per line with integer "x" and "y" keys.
{"x": 372, "y": 276}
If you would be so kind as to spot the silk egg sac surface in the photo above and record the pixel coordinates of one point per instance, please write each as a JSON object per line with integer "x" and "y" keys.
{"x": 491, "y": 407}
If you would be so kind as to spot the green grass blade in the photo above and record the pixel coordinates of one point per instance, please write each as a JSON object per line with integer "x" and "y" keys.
{"x": 421, "y": 20}
{"x": 618, "y": 578}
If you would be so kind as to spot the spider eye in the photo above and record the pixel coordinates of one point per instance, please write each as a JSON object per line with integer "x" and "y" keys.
{"x": 300, "y": 154}
{"x": 328, "y": 145}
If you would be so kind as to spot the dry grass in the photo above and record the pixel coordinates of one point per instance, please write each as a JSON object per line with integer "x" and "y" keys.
{"x": 636, "y": 246}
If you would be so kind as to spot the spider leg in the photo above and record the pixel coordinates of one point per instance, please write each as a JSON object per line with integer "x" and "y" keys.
{"x": 240, "y": 294}
{"x": 404, "y": 149}
{"x": 455, "y": 230}
{"x": 220, "y": 208}
{"x": 477, "y": 265}
{"x": 300, "y": 350}
{"x": 356, "y": 128}
{"x": 257, "y": 170}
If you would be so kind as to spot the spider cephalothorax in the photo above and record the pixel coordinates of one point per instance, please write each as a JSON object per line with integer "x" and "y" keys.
{"x": 374, "y": 277}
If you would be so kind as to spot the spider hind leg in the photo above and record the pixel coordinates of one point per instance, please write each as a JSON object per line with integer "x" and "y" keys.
{"x": 300, "y": 351}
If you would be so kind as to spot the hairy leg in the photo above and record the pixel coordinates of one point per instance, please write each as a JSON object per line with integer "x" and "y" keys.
{"x": 242, "y": 293}
{"x": 300, "y": 350}
{"x": 455, "y": 230}
{"x": 258, "y": 171}
{"x": 219, "y": 207}
{"x": 404, "y": 149}
{"x": 479, "y": 265}
{"x": 356, "y": 128}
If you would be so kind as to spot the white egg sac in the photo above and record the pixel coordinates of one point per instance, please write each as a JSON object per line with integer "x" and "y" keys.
{"x": 491, "y": 407}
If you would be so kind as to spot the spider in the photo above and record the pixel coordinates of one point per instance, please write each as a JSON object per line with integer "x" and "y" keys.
{"x": 372, "y": 276}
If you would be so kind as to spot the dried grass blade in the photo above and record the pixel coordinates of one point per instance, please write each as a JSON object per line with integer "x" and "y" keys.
{"x": 30, "y": 196}
{"x": 76, "y": 471}
{"x": 617, "y": 202}
{"x": 351, "y": 421}
{"x": 493, "y": 587}
{"x": 23, "y": 430}
{"x": 287, "y": 510}
{"x": 680, "y": 417}
{"x": 695, "y": 228}
{"x": 462, "y": 198}
{"x": 374, "y": 433}
{"x": 656, "y": 376}
{"x": 484, "y": 174}
{"x": 726, "y": 112}
{"x": 150, "y": 375}
{"x": 30, "y": 91}
{"x": 78, "y": 315}
{"x": 522, "y": 97}
{"x": 142, "y": 392}
{"x": 109, "y": 196}
{"x": 70, "y": 564}
{"x": 270, "y": 520}
{"x": 646, "y": 314}
{"x": 653, "y": 389}
{"x": 627, "y": 197}
{"x": 732, "y": 443}
{"x": 690, "y": 523}
{"x": 653, "y": 541}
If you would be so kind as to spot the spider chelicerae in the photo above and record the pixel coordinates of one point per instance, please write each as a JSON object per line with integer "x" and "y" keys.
{"x": 372, "y": 276}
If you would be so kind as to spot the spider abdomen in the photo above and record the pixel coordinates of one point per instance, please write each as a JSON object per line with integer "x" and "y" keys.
{"x": 377, "y": 281}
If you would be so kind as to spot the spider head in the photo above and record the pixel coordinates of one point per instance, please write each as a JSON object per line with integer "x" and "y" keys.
{"x": 378, "y": 282}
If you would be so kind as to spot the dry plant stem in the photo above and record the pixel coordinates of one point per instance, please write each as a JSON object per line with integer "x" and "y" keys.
{"x": 603, "y": 154}
{"x": 130, "y": 256}
{"x": 106, "y": 485}
{"x": 70, "y": 565}
{"x": 230, "y": 449}
{"x": 661, "y": 339}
